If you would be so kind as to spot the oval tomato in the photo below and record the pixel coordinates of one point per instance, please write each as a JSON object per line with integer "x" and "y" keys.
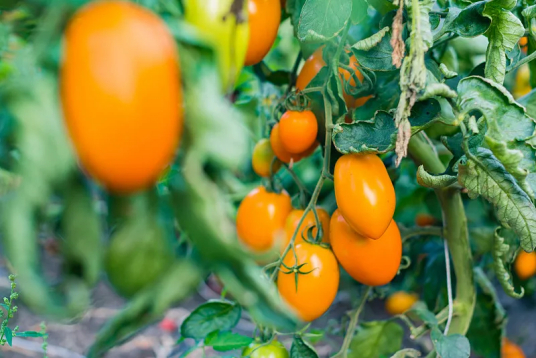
{"x": 263, "y": 156}
{"x": 371, "y": 262}
{"x": 522, "y": 84}
{"x": 511, "y": 350}
{"x": 217, "y": 24}
{"x": 279, "y": 150}
{"x": 274, "y": 349}
{"x": 317, "y": 289}
{"x": 364, "y": 193}
{"x": 525, "y": 265}
{"x": 399, "y": 302}
{"x": 315, "y": 63}
{"x": 120, "y": 94}
{"x": 261, "y": 218}
{"x": 264, "y": 18}
{"x": 297, "y": 131}
{"x": 309, "y": 221}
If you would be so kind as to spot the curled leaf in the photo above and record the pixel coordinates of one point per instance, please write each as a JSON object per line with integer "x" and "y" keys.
{"x": 370, "y": 42}
{"x": 500, "y": 249}
{"x": 434, "y": 181}
{"x": 438, "y": 89}
{"x": 446, "y": 72}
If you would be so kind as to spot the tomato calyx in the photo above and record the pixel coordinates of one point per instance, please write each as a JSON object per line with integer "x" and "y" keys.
{"x": 296, "y": 270}
{"x": 296, "y": 101}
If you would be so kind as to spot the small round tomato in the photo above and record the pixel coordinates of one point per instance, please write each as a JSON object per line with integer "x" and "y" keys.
{"x": 279, "y": 150}
{"x": 399, "y": 302}
{"x": 274, "y": 349}
{"x": 263, "y": 156}
{"x": 315, "y": 290}
{"x": 314, "y": 64}
{"x": 121, "y": 94}
{"x": 309, "y": 221}
{"x": 261, "y": 218}
{"x": 364, "y": 193}
{"x": 424, "y": 220}
{"x": 264, "y": 18}
{"x": 297, "y": 131}
{"x": 523, "y": 42}
{"x": 371, "y": 262}
{"x": 522, "y": 84}
{"x": 511, "y": 350}
{"x": 525, "y": 265}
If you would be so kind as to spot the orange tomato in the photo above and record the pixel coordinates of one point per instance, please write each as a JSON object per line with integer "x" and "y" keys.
{"x": 315, "y": 63}
{"x": 371, "y": 262}
{"x": 120, "y": 93}
{"x": 309, "y": 221}
{"x": 279, "y": 150}
{"x": 260, "y": 219}
{"x": 316, "y": 290}
{"x": 523, "y": 42}
{"x": 399, "y": 302}
{"x": 511, "y": 350}
{"x": 297, "y": 131}
{"x": 364, "y": 193}
{"x": 525, "y": 265}
{"x": 424, "y": 220}
{"x": 263, "y": 156}
{"x": 264, "y": 18}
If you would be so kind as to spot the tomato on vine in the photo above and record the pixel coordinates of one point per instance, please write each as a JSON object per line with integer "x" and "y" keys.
{"x": 263, "y": 17}
{"x": 273, "y": 349}
{"x": 121, "y": 96}
{"x": 260, "y": 219}
{"x": 317, "y": 273}
{"x": 309, "y": 221}
{"x": 511, "y": 350}
{"x": 525, "y": 265}
{"x": 399, "y": 302}
{"x": 365, "y": 194}
{"x": 298, "y": 130}
{"x": 371, "y": 262}
{"x": 263, "y": 157}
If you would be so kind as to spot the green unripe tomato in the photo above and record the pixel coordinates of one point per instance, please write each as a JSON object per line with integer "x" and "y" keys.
{"x": 273, "y": 349}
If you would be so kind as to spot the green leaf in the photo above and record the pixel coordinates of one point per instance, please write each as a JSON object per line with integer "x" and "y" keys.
{"x": 500, "y": 255}
{"x": 483, "y": 174}
{"x": 376, "y": 338}
{"x": 31, "y": 334}
{"x": 453, "y": 346}
{"x": 425, "y": 28}
{"x": 383, "y": 6}
{"x": 359, "y": 11}
{"x": 489, "y": 319}
{"x": 446, "y": 72}
{"x": 434, "y": 181}
{"x": 503, "y": 34}
{"x": 9, "y": 335}
{"x": 368, "y": 43}
{"x": 468, "y": 22}
{"x": 379, "y": 134}
{"x": 428, "y": 317}
{"x": 227, "y": 341}
{"x": 407, "y": 353}
{"x": 437, "y": 90}
{"x": 302, "y": 349}
{"x": 379, "y": 57}
{"x": 210, "y": 317}
{"x": 322, "y": 20}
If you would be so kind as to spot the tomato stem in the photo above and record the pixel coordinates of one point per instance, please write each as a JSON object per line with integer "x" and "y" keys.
{"x": 455, "y": 232}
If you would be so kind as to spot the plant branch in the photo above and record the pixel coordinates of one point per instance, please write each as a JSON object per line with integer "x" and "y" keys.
{"x": 354, "y": 317}
{"x": 524, "y": 60}
{"x": 420, "y": 230}
{"x": 456, "y": 234}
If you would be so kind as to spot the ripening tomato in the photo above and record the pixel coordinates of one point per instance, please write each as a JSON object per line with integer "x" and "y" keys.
{"x": 274, "y": 349}
{"x": 216, "y": 21}
{"x": 121, "y": 93}
{"x": 424, "y": 220}
{"x": 264, "y": 18}
{"x": 317, "y": 289}
{"x": 523, "y": 42}
{"x": 260, "y": 219}
{"x": 365, "y": 194}
{"x": 315, "y": 63}
{"x": 263, "y": 156}
{"x": 522, "y": 84}
{"x": 297, "y": 131}
{"x": 309, "y": 221}
{"x": 399, "y": 302}
{"x": 511, "y": 350}
{"x": 525, "y": 264}
{"x": 371, "y": 262}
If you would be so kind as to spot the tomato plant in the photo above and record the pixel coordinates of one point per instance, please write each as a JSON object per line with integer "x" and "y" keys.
{"x": 278, "y": 164}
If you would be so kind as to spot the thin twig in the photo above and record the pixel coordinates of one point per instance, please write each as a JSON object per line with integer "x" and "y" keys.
{"x": 527, "y": 59}
{"x": 449, "y": 287}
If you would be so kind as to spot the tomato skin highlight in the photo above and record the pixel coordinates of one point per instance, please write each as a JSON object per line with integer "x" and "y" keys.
{"x": 297, "y": 131}
{"x": 364, "y": 193}
{"x": 294, "y": 218}
{"x": 399, "y": 302}
{"x": 273, "y": 349}
{"x": 263, "y": 156}
{"x": 120, "y": 94}
{"x": 371, "y": 262}
{"x": 525, "y": 265}
{"x": 261, "y": 218}
{"x": 263, "y": 17}
{"x": 317, "y": 289}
